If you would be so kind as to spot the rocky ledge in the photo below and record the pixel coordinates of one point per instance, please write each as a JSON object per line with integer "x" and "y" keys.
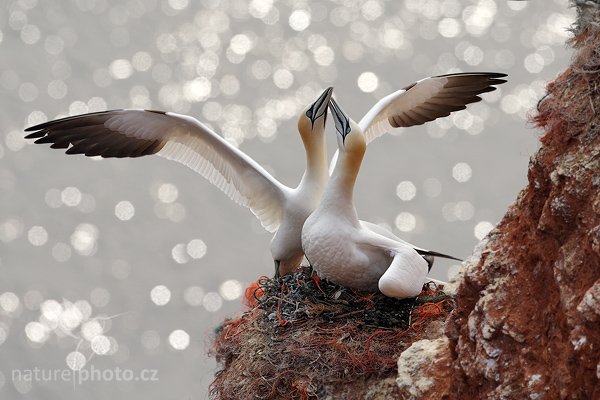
{"x": 526, "y": 322}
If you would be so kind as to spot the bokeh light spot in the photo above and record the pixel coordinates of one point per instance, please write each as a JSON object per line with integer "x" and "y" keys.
{"x": 76, "y": 360}
{"x": 124, "y": 210}
{"x": 167, "y": 193}
{"x": 37, "y": 235}
{"x": 462, "y": 172}
{"x": 482, "y": 228}
{"x": 406, "y": 222}
{"x": 367, "y": 82}
{"x": 179, "y": 339}
{"x": 193, "y": 295}
{"x": 299, "y": 20}
{"x": 160, "y": 295}
{"x": 9, "y": 302}
{"x": 100, "y": 345}
{"x": 196, "y": 248}
{"x": 406, "y": 190}
{"x": 212, "y": 302}
{"x": 231, "y": 289}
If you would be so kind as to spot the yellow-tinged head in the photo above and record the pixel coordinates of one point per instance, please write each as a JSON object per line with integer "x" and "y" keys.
{"x": 350, "y": 137}
{"x": 312, "y": 119}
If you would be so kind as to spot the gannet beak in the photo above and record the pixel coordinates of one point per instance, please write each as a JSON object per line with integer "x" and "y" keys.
{"x": 319, "y": 108}
{"x": 341, "y": 120}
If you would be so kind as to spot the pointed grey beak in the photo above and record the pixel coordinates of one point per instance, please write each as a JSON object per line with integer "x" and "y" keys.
{"x": 319, "y": 107}
{"x": 341, "y": 120}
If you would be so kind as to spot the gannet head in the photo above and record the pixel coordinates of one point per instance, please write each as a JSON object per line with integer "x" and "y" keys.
{"x": 349, "y": 135}
{"x": 313, "y": 117}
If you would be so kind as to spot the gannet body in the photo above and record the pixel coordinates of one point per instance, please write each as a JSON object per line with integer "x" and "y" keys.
{"x": 354, "y": 253}
{"x": 135, "y": 133}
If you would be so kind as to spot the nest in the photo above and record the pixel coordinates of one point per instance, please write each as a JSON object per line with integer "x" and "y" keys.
{"x": 306, "y": 338}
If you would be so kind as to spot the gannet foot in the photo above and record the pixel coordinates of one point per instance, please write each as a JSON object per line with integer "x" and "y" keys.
{"x": 277, "y": 262}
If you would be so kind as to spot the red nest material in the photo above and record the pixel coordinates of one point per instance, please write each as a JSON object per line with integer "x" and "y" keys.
{"x": 307, "y": 338}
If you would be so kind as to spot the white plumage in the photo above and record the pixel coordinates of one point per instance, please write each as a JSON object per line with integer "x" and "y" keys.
{"x": 135, "y": 133}
{"x": 280, "y": 209}
{"x": 351, "y": 252}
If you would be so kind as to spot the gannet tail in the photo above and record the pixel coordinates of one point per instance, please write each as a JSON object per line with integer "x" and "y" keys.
{"x": 436, "y": 254}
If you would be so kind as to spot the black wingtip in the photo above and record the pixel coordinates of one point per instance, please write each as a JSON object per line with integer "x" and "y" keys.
{"x": 490, "y": 75}
{"x": 44, "y": 139}
{"x": 36, "y": 134}
{"x": 44, "y": 125}
{"x": 493, "y": 74}
{"x": 55, "y": 122}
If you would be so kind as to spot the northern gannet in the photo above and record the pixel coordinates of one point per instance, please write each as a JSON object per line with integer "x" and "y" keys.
{"x": 424, "y": 101}
{"x": 350, "y": 252}
{"x": 135, "y": 133}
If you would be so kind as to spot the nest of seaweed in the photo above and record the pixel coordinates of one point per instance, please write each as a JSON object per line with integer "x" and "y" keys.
{"x": 303, "y": 337}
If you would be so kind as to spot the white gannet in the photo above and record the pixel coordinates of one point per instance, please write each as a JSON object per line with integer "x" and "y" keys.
{"x": 350, "y": 252}
{"x": 424, "y": 101}
{"x": 135, "y": 133}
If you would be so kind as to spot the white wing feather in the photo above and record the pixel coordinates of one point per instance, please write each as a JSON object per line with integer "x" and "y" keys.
{"x": 405, "y": 275}
{"x": 407, "y": 271}
{"x": 236, "y": 174}
{"x": 377, "y": 121}
{"x": 133, "y": 133}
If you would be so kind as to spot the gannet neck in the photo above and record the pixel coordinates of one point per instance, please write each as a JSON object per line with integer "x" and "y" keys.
{"x": 315, "y": 176}
{"x": 338, "y": 196}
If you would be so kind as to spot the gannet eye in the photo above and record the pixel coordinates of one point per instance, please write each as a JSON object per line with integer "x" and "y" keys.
{"x": 309, "y": 113}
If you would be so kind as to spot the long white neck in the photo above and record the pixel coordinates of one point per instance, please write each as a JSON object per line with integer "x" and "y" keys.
{"x": 315, "y": 177}
{"x": 338, "y": 196}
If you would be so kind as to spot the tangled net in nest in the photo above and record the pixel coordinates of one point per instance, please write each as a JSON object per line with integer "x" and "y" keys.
{"x": 304, "y": 336}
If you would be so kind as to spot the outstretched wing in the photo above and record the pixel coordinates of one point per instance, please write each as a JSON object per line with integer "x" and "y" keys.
{"x": 136, "y": 133}
{"x": 426, "y": 100}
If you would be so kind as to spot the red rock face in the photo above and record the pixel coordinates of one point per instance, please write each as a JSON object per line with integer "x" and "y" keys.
{"x": 526, "y": 324}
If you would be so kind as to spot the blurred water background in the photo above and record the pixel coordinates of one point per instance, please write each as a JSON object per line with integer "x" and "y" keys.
{"x": 131, "y": 264}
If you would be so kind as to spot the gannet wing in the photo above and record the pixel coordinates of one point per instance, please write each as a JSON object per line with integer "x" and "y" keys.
{"x": 384, "y": 232}
{"x": 426, "y": 100}
{"x": 135, "y": 133}
{"x": 407, "y": 271}
{"x": 380, "y": 230}
{"x": 405, "y": 275}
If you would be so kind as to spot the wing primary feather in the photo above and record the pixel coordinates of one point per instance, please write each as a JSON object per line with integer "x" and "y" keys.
{"x": 149, "y": 147}
{"x": 421, "y": 115}
{"x": 64, "y": 122}
{"x": 486, "y": 74}
{"x": 60, "y": 145}
{"x": 37, "y": 134}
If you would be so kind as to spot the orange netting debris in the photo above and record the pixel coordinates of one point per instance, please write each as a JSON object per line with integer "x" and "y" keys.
{"x": 304, "y": 335}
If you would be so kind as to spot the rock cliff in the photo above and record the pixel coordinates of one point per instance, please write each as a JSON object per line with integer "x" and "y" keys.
{"x": 526, "y": 323}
